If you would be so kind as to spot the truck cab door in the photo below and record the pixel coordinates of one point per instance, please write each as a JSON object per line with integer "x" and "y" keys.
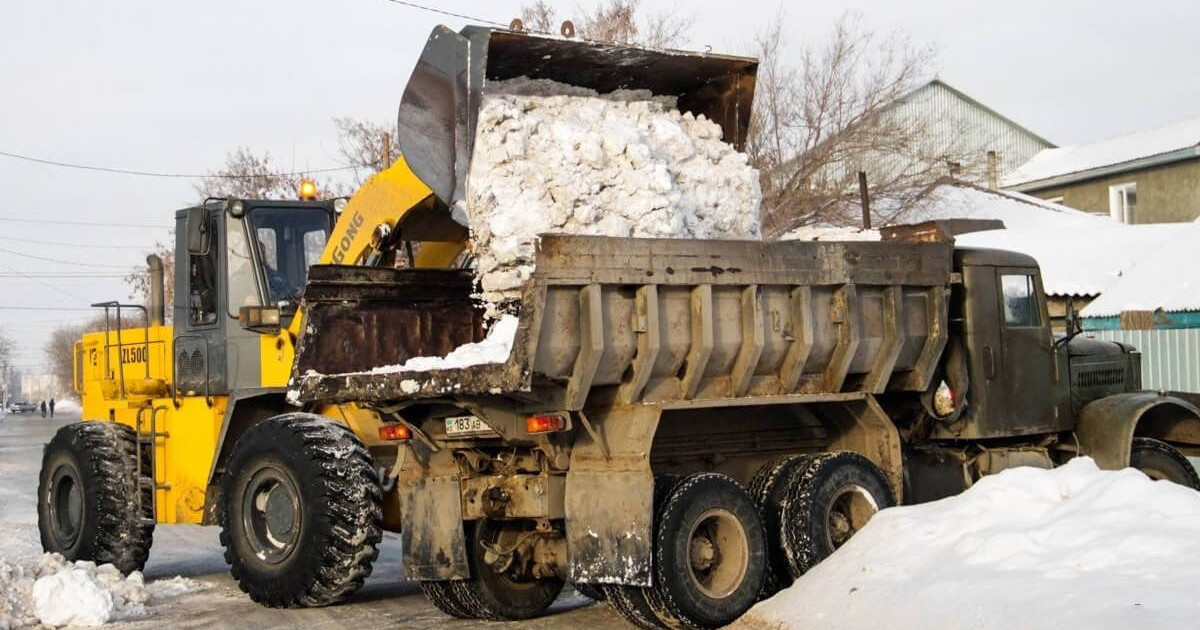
{"x": 1013, "y": 379}
{"x": 1026, "y": 374}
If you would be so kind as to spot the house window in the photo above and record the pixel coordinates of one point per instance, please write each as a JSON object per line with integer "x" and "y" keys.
{"x": 1122, "y": 202}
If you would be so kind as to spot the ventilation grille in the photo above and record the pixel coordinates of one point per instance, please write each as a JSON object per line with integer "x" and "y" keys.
{"x": 1100, "y": 378}
{"x": 189, "y": 367}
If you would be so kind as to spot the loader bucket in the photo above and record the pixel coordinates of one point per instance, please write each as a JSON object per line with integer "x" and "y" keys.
{"x": 438, "y": 111}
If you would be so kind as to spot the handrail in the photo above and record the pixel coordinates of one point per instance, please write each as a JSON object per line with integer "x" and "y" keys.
{"x": 120, "y": 343}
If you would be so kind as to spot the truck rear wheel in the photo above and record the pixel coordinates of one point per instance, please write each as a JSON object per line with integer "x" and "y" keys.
{"x": 640, "y": 605}
{"x": 300, "y": 512}
{"x": 828, "y": 501}
{"x": 442, "y": 595}
{"x": 1161, "y": 461}
{"x": 769, "y": 489}
{"x": 710, "y": 553}
{"x": 501, "y": 595}
{"x": 87, "y": 496}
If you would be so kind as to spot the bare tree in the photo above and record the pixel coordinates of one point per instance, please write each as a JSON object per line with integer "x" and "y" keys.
{"x": 6, "y": 370}
{"x": 60, "y": 351}
{"x": 366, "y": 146}
{"x": 833, "y": 111}
{"x": 248, "y": 175}
{"x": 619, "y": 21}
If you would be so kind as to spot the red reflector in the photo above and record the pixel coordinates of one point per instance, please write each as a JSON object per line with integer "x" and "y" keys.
{"x": 394, "y": 432}
{"x": 544, "y": 424}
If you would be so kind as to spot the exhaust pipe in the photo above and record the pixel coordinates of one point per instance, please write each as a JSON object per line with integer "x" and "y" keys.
{"x": 158, "y": 313}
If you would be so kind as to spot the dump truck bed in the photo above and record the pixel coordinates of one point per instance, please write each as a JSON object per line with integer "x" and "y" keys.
{"x": 642, "y": 320}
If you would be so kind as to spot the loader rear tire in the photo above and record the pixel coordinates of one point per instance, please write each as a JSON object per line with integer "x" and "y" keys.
{"x": 300, "y": 512}
{"x": 87, "y": 496}
{"x": 491, "y": 595}
{"x": 828, "y": 500}
{"x": 1161, "y": 461}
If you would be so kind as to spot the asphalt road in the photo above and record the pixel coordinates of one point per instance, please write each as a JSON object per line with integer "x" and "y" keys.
{"x": 387, "y": 601}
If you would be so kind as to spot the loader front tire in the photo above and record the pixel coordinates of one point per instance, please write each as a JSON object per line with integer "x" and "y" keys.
{"x": 300, "y": 512}
{"x": 87, "y": 496}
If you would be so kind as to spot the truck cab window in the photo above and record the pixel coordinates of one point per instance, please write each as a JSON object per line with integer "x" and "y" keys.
{"x": 202, "y": 285}
{"x": 1020, "y": 307}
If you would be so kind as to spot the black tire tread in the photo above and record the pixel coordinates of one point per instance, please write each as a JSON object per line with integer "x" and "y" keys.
{"x": 800, "y": 548}
{"x": 441, "y": 594}
{"x": 107, "y": 453}
{"x": 1187, "y": 472}
{"x": 348, "y": 496}
{"x": 769, "y": 488}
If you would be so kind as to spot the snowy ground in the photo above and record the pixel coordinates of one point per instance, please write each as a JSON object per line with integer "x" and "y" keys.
{"x": 388, "y": 601}
{"x": 1073, "y": 548}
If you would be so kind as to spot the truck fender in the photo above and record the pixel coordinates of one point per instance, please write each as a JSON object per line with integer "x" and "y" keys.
{"x": 1107, "y": 426}
{"x": 246, "y": 408}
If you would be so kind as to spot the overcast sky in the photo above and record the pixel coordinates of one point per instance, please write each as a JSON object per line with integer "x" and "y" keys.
{"x": 171, "y": 86}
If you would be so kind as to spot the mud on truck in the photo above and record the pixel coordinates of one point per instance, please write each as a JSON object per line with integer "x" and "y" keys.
{"x": 682, "y": 427}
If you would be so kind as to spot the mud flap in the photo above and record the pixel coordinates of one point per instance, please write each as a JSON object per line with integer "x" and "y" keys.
{"x": 435, "y": 544}
{"x": 610, "y": 541}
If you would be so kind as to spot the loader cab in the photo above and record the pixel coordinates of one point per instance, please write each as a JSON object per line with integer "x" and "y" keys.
{"x": 1014, "y": 368}
{"x": 239, "y": 259}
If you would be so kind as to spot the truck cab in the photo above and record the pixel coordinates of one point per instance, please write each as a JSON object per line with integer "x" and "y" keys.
{"x": 1021, "y": 379}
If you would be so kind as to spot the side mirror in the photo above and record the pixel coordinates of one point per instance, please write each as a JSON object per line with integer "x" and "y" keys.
{"x": 198, "y": 238}
{"x": 1074, "y": 326}
{"x": 261, "y": 319}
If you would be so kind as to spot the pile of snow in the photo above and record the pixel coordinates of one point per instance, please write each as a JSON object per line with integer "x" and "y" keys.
{"x": 56, "y": 593}
{"x": 1074, "y": 547}
{"x": 551, "y": 158}
{"x": 495, "y": 348}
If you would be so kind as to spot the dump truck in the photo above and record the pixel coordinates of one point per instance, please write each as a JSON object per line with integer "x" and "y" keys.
{"x": 681, "y": 427}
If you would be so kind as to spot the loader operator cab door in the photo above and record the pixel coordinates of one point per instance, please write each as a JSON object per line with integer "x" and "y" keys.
{"x": 235, "y": 254}
{"x": 1011, "y": 354}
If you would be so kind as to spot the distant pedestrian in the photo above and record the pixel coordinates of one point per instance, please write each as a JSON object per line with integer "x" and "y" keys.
{"x": 43, "y": 409}
{"x": 51, "y": 407}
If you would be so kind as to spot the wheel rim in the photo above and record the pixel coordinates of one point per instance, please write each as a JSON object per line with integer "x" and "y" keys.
{"x": 718, "y": 553}
{"x": 851, "y": 508}
{"x": 271, "y": 515}
{"x": 66, "y": 506}
{"x": 1156, "y": 474}
{"x": 504, "y": 536}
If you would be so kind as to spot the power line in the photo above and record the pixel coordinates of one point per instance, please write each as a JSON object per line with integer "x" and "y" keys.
{"x": 127, "y": 171}
{"x": 86, "y": 245}
{"x": 73, "y": 296}
{"x": 413, "y": 5}
{"x": 62, "y": 262}
{"x": 39, "y": 274}
{"x": 45, "y": 308}
{"x": 89, "y": 223}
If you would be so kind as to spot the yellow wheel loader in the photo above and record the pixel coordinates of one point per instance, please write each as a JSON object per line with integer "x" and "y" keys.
{"x": 191, "y": 423}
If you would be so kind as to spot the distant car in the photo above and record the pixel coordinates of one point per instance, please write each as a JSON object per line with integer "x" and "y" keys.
{"x": 21, "y": 406}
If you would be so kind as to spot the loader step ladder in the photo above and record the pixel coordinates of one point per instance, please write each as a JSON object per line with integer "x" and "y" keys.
{"x": 147, "y": 442}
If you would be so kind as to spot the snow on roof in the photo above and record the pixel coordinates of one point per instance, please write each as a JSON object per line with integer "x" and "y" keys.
{"x": 1078, "y": 261}
{"x": 958, "y": 200}
{"x": 1167, "y": 278}
{"x": 1050, "y": 163}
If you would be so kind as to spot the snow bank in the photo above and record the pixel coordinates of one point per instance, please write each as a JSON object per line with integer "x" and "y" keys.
{"x": 555, "y": 158}
{"x": 1074, "y": 547}
{"x": 56, "y": 593}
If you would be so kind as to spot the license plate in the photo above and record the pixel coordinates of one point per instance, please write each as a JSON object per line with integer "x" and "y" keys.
{"x": 460, "y": 426}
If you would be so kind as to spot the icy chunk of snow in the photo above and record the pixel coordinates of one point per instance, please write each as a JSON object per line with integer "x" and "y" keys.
{"x": 71, "y": 598}
{"x": 551, "y": 158}
{"x": 1074, "y": 547}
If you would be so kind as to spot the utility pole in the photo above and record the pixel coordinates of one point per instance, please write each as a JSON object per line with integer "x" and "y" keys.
{"x": 386, "y": 157}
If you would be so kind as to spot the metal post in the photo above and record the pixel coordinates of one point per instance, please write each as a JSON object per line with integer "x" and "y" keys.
{"x": 865, "y": 196}
{"x": 993, "y": 170}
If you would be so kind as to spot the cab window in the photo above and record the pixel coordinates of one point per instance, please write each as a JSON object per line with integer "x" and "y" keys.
{"x": 242, "y": 288}
{"x": 289, "y": 240}
{"x": 1020, "y": 307}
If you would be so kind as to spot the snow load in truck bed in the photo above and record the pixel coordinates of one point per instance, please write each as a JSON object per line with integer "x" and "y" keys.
{"x": 1070, "y": 548}
{"x": 553, "y": 158}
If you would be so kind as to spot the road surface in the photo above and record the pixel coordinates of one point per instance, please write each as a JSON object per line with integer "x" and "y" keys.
{"x": 387, "y": 601}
